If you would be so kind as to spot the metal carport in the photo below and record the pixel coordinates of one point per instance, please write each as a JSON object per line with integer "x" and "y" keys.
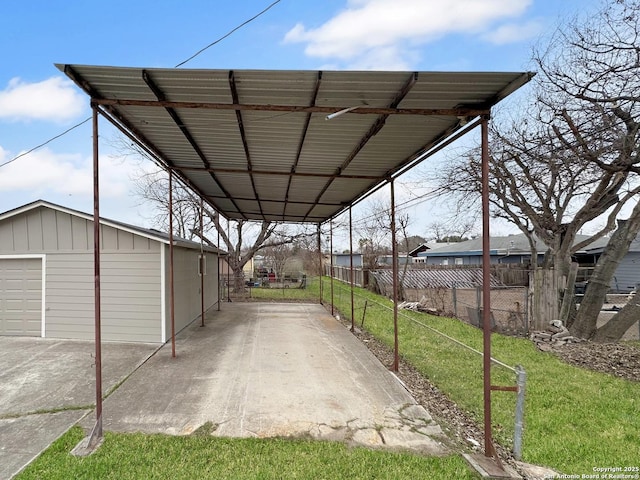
{"x": 257, "y": 145}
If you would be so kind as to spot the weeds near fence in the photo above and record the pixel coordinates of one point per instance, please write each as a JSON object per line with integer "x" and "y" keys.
{"x": 575, "y": 419}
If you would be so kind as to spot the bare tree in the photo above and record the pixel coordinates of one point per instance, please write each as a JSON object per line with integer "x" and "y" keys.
{"x": 242, "y": 239}
{"x": 373, "y": 229}
{"x": 377, "y": 226}
{"x": 455, "y": 229}
{"x": 277, "y": 256}
{"x": 572, "y": 156}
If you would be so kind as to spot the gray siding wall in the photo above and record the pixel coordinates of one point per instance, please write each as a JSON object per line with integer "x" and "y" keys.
{"x": 187, "y": 286}
{"x": 44, "y": 230}
{"x": 627, "y": 276}
{"x": 129, "y": 296}
{"x": 130, "y": 275}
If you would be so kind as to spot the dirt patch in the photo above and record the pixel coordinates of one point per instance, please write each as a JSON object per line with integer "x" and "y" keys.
{"x": 619, "y": 359}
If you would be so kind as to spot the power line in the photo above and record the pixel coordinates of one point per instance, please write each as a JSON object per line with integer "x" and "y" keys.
{"x": 227, "y": 34}
{"x": 45, "y": 143}
{"x": 181, "y": 63}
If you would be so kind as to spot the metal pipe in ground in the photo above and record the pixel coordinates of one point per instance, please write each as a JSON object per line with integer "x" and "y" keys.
{"x": 521, "y": 380}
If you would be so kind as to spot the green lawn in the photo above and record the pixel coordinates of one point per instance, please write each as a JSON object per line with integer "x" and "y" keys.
{"x": 575, "y": 419}
{"x": 294, "y": 293}
{"x": 138, "y": 456}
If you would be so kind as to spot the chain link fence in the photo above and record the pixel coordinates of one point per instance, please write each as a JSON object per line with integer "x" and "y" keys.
{"x": 509, "y": 306}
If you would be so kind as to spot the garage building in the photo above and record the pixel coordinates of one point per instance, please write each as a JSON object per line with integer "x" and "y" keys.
{"x": 47, "y": 277}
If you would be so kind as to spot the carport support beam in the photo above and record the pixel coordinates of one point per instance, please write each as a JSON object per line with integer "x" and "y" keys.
{"x": 331, "y": 262}
{"x": 171, "y": 286}
{"x": 220, "y": 280}
{"x": 351, "y": 264}
{"x": 202, "y": 262}
{"x": 394, "y": 267}
{"x": 320, "y": 262}
{"x": 486, "y": 290}
{"x": 96, "y": 434}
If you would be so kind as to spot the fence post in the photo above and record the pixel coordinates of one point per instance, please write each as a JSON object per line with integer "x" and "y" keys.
{"x": 521, "y": 380}
{"x": 364, "y": 313}
{"x": 455, "y": 299}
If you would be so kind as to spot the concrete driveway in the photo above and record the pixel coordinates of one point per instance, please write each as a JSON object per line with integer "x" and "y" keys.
{"x": 47, "y": 386}
{"x": 255, "y": 369}
{"x": 264, "y": 370}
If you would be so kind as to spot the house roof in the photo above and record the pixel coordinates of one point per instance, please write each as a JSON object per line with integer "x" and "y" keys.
{"x": 143, "y": 232}
{"x": 423, "y": 247}
{"x": 257, "y": 145}
{"x": 599, "y": 245}
{"x": 511, "y": 244}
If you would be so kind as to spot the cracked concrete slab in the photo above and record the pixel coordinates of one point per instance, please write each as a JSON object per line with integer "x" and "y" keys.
{"x": 265, "y": 370}
{"x": 22, "y": 439}
{"x": 40, "y": 375}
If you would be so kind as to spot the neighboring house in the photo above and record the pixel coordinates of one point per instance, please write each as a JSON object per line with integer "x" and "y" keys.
{"x": 344, "y": 260}
{"x": 47, "y": 277}
{"x": 627, "y": 276}
{"x": 509, "y": 249}
{"x": 515, "y": 249}
{"x": 249, "y": 268}
{"x": 423, "y": 247}
{"x": 387, "y": 260}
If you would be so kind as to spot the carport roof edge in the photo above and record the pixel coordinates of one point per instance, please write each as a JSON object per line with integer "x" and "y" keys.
{"x": 256, "y": 144}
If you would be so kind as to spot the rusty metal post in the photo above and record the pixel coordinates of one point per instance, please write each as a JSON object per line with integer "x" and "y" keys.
{"x": 228, "y": 264}
{"x": 320, "y": 259}
{"x": 96, "y": 434}
{"x": 394, "y": 267}
{"x": 219, "y": 276}
{"x": 202, "y": 263}
{"x": 351, "y": 265}
{"x": 486, "y": 290}
{"x": 331, "y": 262}
{"x": 171, "y": 286}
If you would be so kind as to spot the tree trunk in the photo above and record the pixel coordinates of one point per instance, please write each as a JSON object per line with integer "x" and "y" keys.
{"x": 567, "y": 306}
{"x": 614, "y": 329}
{"x": 566, "y": 283}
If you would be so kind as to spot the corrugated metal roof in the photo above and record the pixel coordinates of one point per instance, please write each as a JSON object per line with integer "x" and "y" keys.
{"x": 256, "y": 144}
{"x": 438, "y": 278}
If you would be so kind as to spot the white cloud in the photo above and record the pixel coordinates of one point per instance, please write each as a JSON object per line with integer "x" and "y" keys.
{"x": 374, "y": 28}
{"x": 43, "y": 173}
{"x": 54, "y": 99}
{"x": 513, "y": 32}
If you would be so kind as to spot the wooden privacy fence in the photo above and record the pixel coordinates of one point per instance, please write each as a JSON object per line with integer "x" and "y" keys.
{"x": 360, "y": 276}
{"x": 543, "y": 304}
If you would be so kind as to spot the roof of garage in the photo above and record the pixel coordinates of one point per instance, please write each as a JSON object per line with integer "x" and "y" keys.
{"x": 257, "y": 145}
{"x": 143, "y": 232}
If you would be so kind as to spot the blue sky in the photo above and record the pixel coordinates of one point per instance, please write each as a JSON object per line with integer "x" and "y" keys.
{"x": 37, "y": 102}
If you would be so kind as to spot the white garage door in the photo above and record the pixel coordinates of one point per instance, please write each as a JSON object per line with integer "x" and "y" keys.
{"x": 21, "y": 296}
